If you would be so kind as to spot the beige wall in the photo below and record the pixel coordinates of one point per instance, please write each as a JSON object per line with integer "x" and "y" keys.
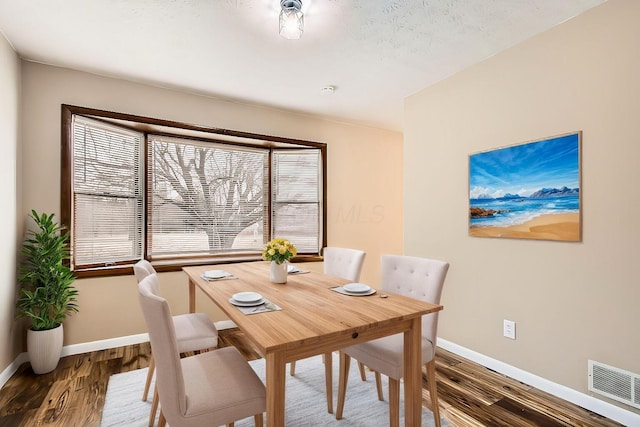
{"x": 364, "y": 179}
{"x": 9, "y": 138}
{"x": 571, "y": 301}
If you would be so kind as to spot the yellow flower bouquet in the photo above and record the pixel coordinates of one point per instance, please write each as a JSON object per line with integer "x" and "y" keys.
{"x": 279, "y": 250}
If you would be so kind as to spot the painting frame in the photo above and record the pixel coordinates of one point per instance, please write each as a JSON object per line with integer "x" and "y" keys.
{"x": 530, "y": 190}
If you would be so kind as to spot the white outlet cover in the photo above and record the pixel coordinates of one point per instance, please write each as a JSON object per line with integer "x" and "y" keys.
{"x": 509, "y": 329}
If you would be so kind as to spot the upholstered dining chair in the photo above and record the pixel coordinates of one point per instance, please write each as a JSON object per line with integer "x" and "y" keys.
{"x": 194, "y": 332}
{"x": 343, "y": 262}
{"x": 414, "y": 277}
{"x": 347, "y": 264}
{"x": 212, "y": 388}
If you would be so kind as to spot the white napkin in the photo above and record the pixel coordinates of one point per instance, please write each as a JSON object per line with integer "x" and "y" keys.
{"x": 292, "y": 269}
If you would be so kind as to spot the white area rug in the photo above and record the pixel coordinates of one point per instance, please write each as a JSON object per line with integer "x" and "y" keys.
{"x": 305, "y": 399}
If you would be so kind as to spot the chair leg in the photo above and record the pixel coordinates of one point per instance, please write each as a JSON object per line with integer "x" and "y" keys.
{"x": 292, "y": 366}
{"x": 345, "y": 360}
{"x": 152, "y": 366}
{"x": 394, "y": 402}
{"x": 379, "y": 386}
{"x": 433, "y": 390}
{"x": 328, "y": 380}
{"x": 162, "y": 422}
{"x": 230, "y": 425}
{"x": 154, "y": 407}
{"x": 363, "y": 375}
{"x": 258, "y": 420}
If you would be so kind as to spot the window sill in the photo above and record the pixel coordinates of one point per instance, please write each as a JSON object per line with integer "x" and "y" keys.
{"x": 173, "y": 265}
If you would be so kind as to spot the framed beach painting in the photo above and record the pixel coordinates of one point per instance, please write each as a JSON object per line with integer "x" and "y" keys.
{"x": 527, "y": 191}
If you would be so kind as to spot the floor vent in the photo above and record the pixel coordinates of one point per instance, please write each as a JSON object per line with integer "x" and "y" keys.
{"x": 614, "y": 383}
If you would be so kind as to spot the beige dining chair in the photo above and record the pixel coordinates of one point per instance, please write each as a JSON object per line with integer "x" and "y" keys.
{"x": 414, "y": 277}
{"x": 195, "y": 332}
{"x": 212, "y": 388}
{"x": 347, "y": 264}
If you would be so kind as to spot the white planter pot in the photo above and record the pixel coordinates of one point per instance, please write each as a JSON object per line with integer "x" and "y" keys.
{"x": 278, "y": 272}
{"x": 44, "y": 348}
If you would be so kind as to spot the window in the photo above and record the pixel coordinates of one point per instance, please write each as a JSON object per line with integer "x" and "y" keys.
{"x": 108, "y": 202}
{"x": 206, "y": 198}
{"x": 177, "y": 194}
{"x": 296, "y": 197}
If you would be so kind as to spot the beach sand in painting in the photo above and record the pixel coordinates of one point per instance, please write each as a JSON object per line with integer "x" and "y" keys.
{"x": 545, "y": 227}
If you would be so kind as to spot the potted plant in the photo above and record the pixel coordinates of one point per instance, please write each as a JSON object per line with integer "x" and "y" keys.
{"x": 46, "y": 293}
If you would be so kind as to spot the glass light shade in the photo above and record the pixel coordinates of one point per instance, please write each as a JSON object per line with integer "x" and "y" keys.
{"x": 291, "y": 23}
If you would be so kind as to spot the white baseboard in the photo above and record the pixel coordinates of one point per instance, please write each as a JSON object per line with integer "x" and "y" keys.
{"x": 598, "y": 406}
{"x": 87, "y": 347}
{"x": 12, "y": 368}
{"x": 69, "y": 350}
{"x": 90, "y": 346}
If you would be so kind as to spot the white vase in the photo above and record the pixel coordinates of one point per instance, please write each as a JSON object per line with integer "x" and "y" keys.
{"x": 278, "y": 272}
{"x": 44, "y": 349}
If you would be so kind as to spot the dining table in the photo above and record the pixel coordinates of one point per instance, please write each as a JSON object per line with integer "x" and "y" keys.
{"x": 312, "y": 318}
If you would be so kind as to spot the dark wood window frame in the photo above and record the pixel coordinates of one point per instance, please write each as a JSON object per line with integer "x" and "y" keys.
{"x": 147, "y": 125}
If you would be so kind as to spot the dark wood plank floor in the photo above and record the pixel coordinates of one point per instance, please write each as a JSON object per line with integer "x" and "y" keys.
{"x": 470, "y": 395}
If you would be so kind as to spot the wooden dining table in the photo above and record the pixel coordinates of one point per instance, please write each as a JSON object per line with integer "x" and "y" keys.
{"x": 315, "y": 320}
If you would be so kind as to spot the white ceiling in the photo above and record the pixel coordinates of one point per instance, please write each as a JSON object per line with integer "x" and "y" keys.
{"x": 376, "y": 52}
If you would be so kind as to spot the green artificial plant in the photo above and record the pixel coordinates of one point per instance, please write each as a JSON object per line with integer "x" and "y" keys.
{"x": 47, "y": 294}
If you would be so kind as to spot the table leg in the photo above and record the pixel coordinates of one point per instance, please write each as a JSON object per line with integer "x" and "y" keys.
{"x": 413, "y": 375}
{"x": 276, "y": 367}
{"x": 328, "y": 379}
{"x": 192, "y": 296}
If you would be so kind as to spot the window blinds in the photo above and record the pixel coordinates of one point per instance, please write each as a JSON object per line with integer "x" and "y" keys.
{"x": 296, "y": 213}
{"x": 107, "y": 198}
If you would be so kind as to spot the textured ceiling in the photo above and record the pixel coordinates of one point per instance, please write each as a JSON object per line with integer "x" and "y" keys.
{"x": 376, "y": 52}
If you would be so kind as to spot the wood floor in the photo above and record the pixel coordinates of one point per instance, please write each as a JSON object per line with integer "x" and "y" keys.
{"x": 469, "y": 394}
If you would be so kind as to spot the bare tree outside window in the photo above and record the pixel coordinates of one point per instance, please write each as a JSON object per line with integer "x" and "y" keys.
{"x": 211, "y": 191}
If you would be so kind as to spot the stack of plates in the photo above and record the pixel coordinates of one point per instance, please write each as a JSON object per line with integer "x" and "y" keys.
{"x": 246, "y": 299}
{"x": 357, "y": 289}
{"x": 215, "y": 274}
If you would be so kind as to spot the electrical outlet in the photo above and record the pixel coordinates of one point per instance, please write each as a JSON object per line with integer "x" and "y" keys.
{"x": 509, "y": 329}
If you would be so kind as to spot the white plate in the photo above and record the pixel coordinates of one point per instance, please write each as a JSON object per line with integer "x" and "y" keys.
{"x": 216, "y": 274}
{"x": 246, "y": 304}
{"x": 246, "y": 297}
{"x": 356, "y": 288}
{"x": 360, "y": 294}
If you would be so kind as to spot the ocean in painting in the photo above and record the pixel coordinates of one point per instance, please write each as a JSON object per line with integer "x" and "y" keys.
{"x": 512, "y": 185}
{"x": 513, "y": 211}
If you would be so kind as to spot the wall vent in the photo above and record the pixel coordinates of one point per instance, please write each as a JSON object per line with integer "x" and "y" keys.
{"x": 614, "y": 383}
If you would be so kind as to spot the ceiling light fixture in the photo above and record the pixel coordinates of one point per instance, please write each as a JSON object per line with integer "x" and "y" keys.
{"x": 328, "y": 90}
{"x": 291, "y": 19}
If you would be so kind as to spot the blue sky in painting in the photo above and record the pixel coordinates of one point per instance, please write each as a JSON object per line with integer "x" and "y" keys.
{"x": 526, "y": 168}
